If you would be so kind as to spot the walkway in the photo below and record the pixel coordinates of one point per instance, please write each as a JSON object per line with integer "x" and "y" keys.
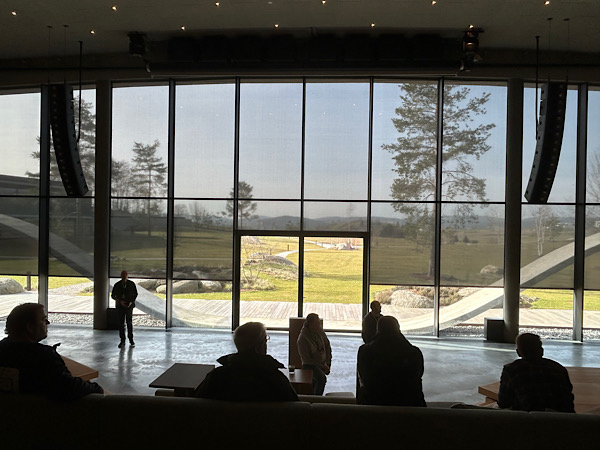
{"x": 217, "y": 313}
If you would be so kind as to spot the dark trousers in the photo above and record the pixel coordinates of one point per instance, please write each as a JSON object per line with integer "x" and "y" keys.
{"x": 125, "y": 315}
{"x": 319, "y": 379}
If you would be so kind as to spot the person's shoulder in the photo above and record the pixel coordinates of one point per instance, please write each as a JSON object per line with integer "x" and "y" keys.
{"x": 554, "y": 364}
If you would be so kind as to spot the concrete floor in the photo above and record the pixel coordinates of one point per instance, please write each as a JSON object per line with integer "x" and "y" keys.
{"x": 454, "y": 367}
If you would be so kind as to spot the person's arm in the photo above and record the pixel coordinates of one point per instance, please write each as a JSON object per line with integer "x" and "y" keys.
{"x": 505, "y": 395}
{"x": 65, "y": 386}
{"x": 304, "y": 350}
{"x": 134, "y": 292}
{"x": 114, "y": 294}
{"x": 327, "y": 350}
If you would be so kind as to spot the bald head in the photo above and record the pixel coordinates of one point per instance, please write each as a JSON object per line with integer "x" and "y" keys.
{"x": 251, "y": 337}
{"x": 529, "y": 346}
{"x": 388, "y": 325}
{"x": 376, "y": 307}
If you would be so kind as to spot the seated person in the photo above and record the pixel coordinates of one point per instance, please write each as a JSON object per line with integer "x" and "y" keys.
{"x": 250, "y": 374}
{"x": 41, "y": 369}
{"x": 315, "y": 351}
{"x": 390, "y": 368}
{"x": 369, "y": 323}
{"x": 534, "y": 383}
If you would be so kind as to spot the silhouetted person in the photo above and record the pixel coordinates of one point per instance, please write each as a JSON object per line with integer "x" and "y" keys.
{"x": 250, "y": 374}
{"x": 534, "y": 383}
{"x": 369, "y": 323}
{"x": 41, "y": 369}
{"x": 315, "y": 352}
{"x": 390, "y": 368}
{"x": 124, "y": 293}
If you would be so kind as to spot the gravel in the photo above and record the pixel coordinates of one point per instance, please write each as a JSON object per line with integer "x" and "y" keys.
{"x": 544, "y": 333}
{"x": 88, "y": 319}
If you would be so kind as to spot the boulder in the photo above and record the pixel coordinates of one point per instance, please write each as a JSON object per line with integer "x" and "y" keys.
{"x": 10, "y": 286}
{"x": 491, "y": 270}
{"x": 280, "y": 260}
{"x": 148, "y": 284}
{"x": 407, "y": 299}
{"x": 211, "y": 286}
{"x": 187, "y": 287}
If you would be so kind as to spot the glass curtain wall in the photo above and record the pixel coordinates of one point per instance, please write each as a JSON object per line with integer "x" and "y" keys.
{"x": 591, "y": 301}
{"x": 548, "y": 232}
{"x": 71, "y": 222}
{"x": 19, "y": 202}
{"x": 469, "y": 197}
{"x": 138, "y": 228}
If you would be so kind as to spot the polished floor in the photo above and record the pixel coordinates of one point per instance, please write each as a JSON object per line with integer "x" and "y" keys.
{"x": 454, "y": 367}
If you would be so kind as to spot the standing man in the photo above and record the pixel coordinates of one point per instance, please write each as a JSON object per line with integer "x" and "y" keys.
{"x": 124, "y": 293}
{"x": 41, "y": 369}
{"x": 315, "y": 352}
{"x": 390, "y": 368}
{"x": 534, "y": 383}
{"x": 369, "y": 323}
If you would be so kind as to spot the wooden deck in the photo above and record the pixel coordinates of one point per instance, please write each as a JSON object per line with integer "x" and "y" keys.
{"x": 217, "y": 313}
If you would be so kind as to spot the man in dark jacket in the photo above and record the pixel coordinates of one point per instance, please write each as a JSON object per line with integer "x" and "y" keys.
{"x": 369, "y": 323}
{"x": 534, "y": 383}
{"x": 124, "y": 293}
{"x": 390, "y": 368}
{"x": 41, "y": 369}
{"x": 250, "y": 374}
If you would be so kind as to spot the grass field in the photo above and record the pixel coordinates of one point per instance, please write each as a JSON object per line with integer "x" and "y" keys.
{"x": 335, "y": 276}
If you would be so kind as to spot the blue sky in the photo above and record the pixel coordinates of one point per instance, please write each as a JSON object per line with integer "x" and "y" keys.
{"x": 270, "y": 131}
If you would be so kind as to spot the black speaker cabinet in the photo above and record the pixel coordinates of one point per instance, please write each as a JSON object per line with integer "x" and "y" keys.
{"x": 548, "y": 142}
{"x": 64, "y": 140}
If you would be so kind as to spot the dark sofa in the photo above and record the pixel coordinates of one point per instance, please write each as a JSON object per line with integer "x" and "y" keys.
{"x": 145, "y": 422}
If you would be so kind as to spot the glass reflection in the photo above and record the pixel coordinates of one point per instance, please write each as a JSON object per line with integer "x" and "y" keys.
{"x": 204, "y": 140}
{"x": 203, "y": 244}
{"x": 19, "y": 135}
{"x": 71, "y": 237}
{"x": 335, "y": 216}
{"x": 271, "y": 138}
{"x": 337, "y": 141}
{"x": 19, "y": 234}
{"x": 401, "y": 245}
{"x": 472, "y": 234}
{"x": 411, "y": 305}
{"x": 547, "y": 246}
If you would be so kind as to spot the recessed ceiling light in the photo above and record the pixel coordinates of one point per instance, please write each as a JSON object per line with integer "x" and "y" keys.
{"x": 183, "y": 27}
{"x": 14, "y": 13}
{"x": 114, "y": 7}
{"x": 92, "y": 31}
{"x": 323, "y": 1}
{"x": 276, "y": 25}
{"x": 217, "y": 4}
{"x": 433, "y": 2}
{"x": 372, "y": 24}
{"x": 547, "y": 2}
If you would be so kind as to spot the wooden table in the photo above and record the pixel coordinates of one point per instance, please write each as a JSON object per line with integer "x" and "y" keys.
{"x": 183, "y": 378}
{"x": 301, "y": 380}
{"x": 80, "y": 370}
{"x": 586, "y": 388}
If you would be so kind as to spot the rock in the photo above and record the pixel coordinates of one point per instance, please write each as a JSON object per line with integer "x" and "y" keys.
{"x": 407, "y": 299}
{"x": 147, "y": 284}
{"x": 211, "y": 286}
{"x": 280, "y": 260}
{"x": 9, "y": 286}
{"x": 162, "y": 289}
{"x": 200, "y": 275}
{"x": 491, "y": 270}
{"x": 186, "y": 287}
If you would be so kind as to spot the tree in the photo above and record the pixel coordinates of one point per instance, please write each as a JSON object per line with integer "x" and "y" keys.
{"x": 414, "y": 154}
{"x": 246, "y": 207}
{"x": 149, "y": 174}
{"x": 546, "y": 224}
{"x": 86, "y": 145}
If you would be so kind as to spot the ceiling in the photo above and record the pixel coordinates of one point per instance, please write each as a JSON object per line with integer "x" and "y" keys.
{"x": 507, "y": 24}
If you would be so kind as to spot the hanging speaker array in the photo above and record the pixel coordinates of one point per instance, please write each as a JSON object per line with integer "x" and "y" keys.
{"x": 549, "y": 138}
{"x": 64, "y": 140}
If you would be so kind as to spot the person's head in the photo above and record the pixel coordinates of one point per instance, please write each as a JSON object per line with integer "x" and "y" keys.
{"x": 313, "y": 322}
{"x": 251, "y": 337}
{"x": 529, "y": 346}
{"x": 124, "y": 275}
{"x": 388, "y": 325}
{"x": 27, "y": 322}
{"x": 376, "y": 307}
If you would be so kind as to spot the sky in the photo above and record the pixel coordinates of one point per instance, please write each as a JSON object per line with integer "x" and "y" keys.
{"x": 336, "y": 138}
